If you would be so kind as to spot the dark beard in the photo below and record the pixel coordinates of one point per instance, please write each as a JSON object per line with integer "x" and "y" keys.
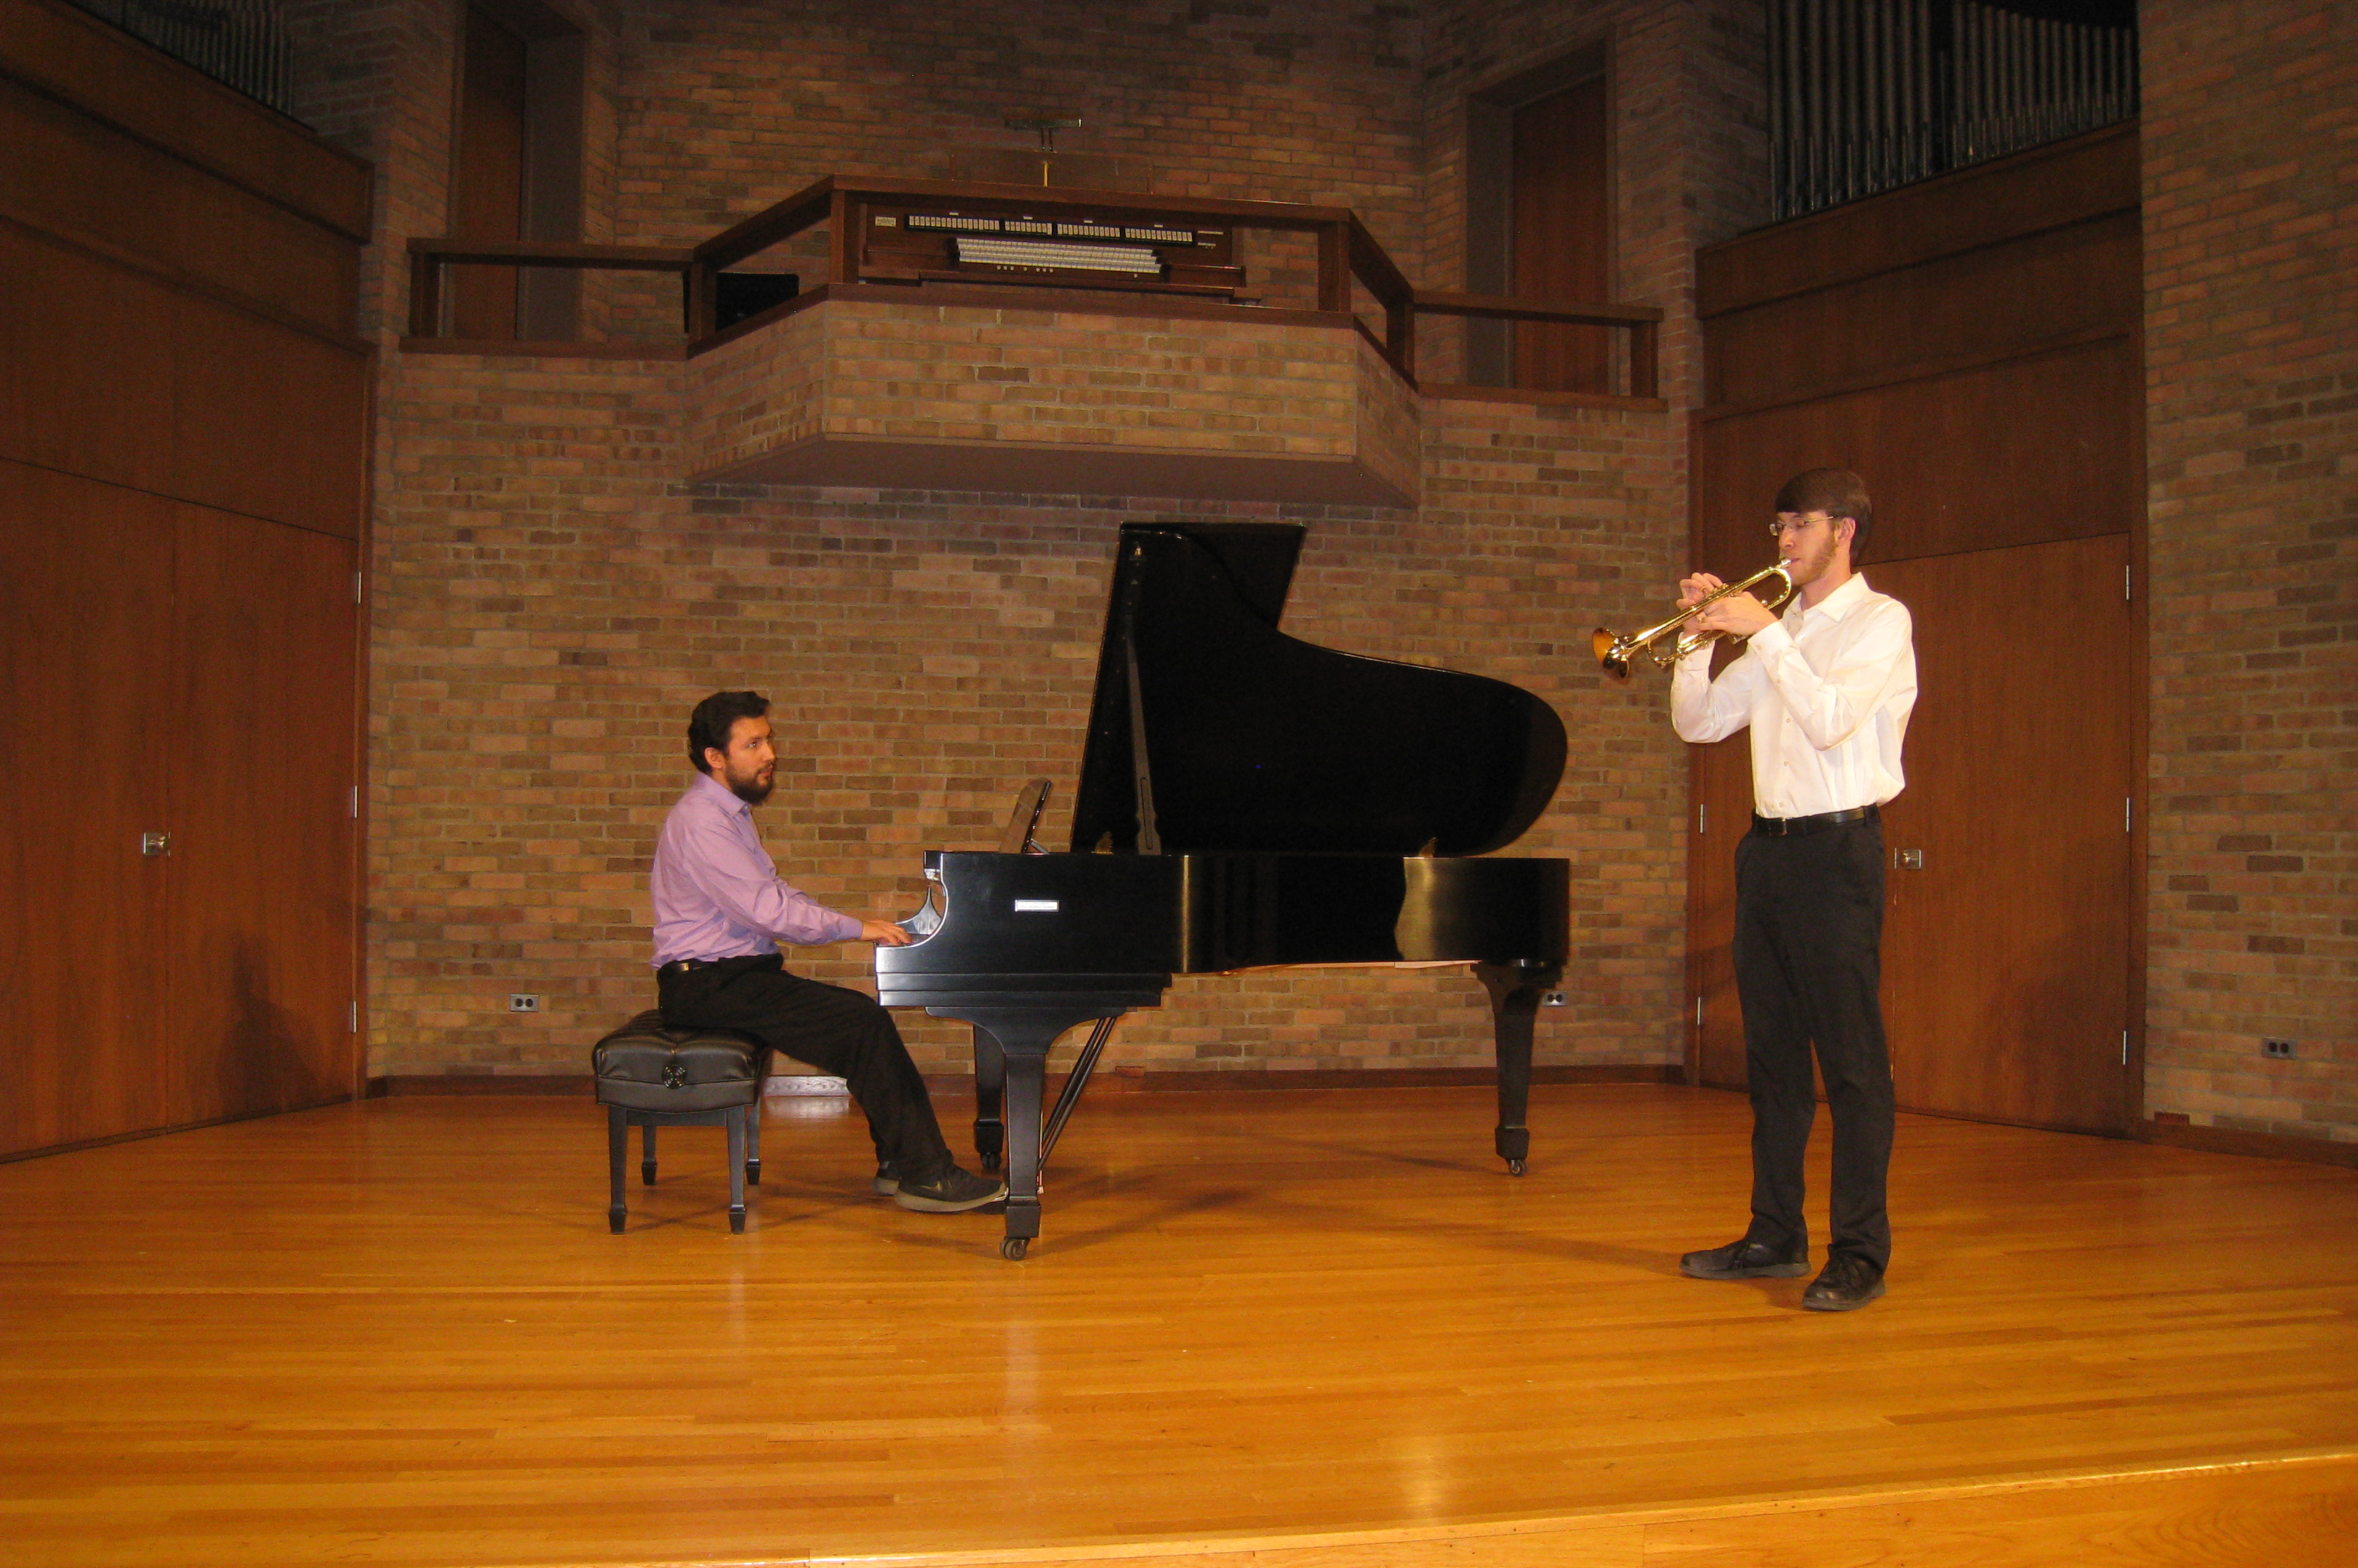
{"x": 753, "y": 792}
{"x": 1816, "y": 563}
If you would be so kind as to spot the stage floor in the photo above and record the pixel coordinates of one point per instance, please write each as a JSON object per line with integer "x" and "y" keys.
{"x": 1297, "y": 1329}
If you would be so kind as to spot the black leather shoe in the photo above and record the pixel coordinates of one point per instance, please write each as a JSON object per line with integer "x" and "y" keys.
{"x": 1845, "y": 1284}
{"x": 952, "y": 1191}
{"x": 1744, "y": 1261}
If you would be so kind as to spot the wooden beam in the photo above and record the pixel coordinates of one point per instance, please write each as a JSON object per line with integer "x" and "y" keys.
{"x": 1508, "y": 307}
{"x": 554, "y": 252}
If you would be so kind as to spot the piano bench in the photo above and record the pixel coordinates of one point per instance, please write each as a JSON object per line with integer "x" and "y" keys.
{"x": 652, "y": 1074}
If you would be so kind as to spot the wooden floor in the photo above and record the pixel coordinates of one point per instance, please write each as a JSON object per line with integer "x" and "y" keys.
{"x": 1262, "y": 1330}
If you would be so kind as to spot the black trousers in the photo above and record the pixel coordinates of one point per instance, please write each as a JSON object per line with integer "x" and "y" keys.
{"x": 837, "y": 1030}
{"x": 1808, "y": 940}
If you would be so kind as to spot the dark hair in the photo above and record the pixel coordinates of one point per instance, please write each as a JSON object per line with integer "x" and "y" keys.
{"x": 715, "y": 717}
{"x": 1837, "y": 492}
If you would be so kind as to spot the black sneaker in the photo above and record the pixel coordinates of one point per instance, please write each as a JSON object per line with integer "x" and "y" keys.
{"x": 1846, "y": 1284}
{"x": 888, "y": 1179}
{"x": 952, "y": 1191}
{"x": 1744, "y": 1261}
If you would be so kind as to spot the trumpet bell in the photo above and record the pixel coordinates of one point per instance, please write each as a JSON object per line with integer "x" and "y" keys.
{"x": 1610, "y": 654}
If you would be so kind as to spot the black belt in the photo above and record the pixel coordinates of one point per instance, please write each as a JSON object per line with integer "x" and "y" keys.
{"x": 1791, "y": 826}
{"x": 682, "y": 965}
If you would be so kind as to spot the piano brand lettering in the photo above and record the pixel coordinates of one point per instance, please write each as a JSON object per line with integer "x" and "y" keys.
{"x": 1035, "y": 906}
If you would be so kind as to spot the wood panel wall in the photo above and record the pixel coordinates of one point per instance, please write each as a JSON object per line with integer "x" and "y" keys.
{"x": 1971, "y": 347}
{"x": 183, "y": 479}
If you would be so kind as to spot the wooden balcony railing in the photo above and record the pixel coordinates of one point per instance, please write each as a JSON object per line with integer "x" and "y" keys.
{"x": 1641, "y": 323}
{"x": 430, "y": 261}
{"x": 1350, "y": 263}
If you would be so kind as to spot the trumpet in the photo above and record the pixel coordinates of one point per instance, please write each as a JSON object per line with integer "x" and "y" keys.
{"x": 1613, "y": 652}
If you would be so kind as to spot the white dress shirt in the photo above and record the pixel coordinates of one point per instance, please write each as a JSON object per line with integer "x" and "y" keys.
{"x": 1827, "y": 691}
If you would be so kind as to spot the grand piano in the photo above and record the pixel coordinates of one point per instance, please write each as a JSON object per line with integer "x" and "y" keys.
{"x": 1245, "y": 800}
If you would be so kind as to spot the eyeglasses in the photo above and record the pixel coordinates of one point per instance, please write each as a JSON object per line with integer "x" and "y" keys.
{"x": 1781, "y": 527}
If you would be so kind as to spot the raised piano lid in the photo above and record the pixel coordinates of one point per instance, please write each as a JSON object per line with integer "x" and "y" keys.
{"x": 1256, "y": 740}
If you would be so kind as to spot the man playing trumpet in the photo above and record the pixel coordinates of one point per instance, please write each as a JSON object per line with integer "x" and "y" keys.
{"x": 1826, "y": 690}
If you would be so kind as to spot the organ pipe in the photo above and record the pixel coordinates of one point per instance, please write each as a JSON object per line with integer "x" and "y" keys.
{"x": 240, "y": 43}
{"x": 1868, "y": 95}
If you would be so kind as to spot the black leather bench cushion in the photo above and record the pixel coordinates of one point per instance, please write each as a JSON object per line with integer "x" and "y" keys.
{"x": 647, "y": 1064}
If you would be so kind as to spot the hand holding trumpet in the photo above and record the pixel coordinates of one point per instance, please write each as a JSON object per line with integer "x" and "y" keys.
{"x": 1733, "y": 616}
{"x": 1708, "y": 607}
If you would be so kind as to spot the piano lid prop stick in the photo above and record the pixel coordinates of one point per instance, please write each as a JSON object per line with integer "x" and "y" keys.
{"x": 1149, "y": 841}
{"x": 1074, "y": 1082}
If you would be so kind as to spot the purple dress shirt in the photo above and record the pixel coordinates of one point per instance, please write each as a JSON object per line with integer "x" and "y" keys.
{"x": 717, "y": 895}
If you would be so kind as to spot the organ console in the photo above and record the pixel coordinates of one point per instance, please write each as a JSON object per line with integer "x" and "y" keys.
{"x": 982, "y": 240}
{"x": 1245, "y": 800}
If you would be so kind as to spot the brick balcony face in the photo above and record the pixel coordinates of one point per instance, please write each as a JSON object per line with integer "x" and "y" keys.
{"x": 946, "y": 396}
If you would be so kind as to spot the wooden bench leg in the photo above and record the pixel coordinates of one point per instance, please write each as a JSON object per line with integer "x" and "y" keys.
{"x": 737, "y": 1162}
{"x": 618, "y": 1154}
{"x": 754, "y": 1142}
{"x": 647, "y": 1155}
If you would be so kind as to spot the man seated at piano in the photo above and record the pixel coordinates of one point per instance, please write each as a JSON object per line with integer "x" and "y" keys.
{"x": 721, "y": 912}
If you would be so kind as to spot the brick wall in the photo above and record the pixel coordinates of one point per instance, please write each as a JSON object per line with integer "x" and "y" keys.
{"x": 2251, "y": 111}
{"x": 550, "y": 603}
{"x": 550, "y": 597}
{"x": 376, "y": 80}
{"x": 1689, "y": 149}
{"x": 726, "y": 108}
{"x": 1020, "y": 389}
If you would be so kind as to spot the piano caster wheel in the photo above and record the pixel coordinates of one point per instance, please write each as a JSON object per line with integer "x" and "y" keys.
{"x": 1514, "y": 1167}
{"x": 1013, "y": 1247}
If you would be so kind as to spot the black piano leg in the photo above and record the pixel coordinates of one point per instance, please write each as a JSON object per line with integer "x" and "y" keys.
{"x": 1027, "y": 1074}
{"x": 1515, "y": 990}
{"x": 1018, "y": 1038}
{"x": 990, "y": 1093}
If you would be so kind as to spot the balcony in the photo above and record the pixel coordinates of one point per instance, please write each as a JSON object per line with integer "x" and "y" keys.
{"x": 1049, "y": 342}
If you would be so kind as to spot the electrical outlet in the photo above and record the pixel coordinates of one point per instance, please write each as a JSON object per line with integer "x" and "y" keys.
{"x": 2280, "y": 1049}
{"x": 1554, "y": 999}
{"x": 523, "y": 1001}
